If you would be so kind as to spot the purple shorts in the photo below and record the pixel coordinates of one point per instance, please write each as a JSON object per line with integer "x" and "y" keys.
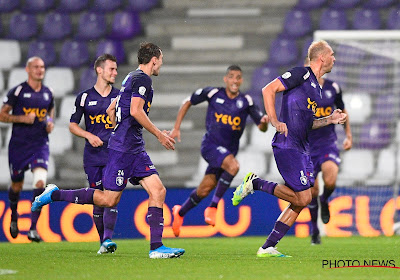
{"x": 94, "y": 176}
{"x": 319, "y": 157}
{"x": 20, "y": 160}
{"x": 295, "y": 167}
{"x": 214, "y": 155}
{"x": 123, "y": 166}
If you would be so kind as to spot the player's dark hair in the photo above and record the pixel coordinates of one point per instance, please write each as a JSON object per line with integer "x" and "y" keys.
{"x": 147, "y": 51}
{"x": 102, "y": 59}
{"x": 233, "y": 67}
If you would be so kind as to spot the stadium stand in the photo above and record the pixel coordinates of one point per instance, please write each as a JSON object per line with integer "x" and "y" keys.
{"x": 37, "y": 6}
{"x": 297, "y": 23}
{"x": 7, "y": 6}
{"x": 106, "y": 5}
{"x": 333, "y": 19}
{"x": 72, "y": 6}
{"x": 60, "y": 80}
{"x": 367, "y": 19}
{"x": 43, "y": 49}
{"x": 74, "y": 54}
{"x": 56, "y": 26}
{"x": 92, "y": 26}
{"x": 22, "y": 27}
{"x": 11, "y": 54}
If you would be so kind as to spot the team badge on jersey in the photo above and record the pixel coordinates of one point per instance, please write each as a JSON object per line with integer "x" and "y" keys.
{"x": 239, "y": 104}
{"x": 287, "y": 75}
{"x": 46, "y": 96}
{"x": 142, "y": 90}
{"x": 119, "y": 181}
{"x": 222, "y": 150}
{"x": 328, "y": 93}
{"x": 303, "y": 178}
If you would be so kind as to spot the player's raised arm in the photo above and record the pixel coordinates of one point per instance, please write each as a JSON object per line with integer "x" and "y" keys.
{"x": 136, "y": 111}
{"x": 176, "y": 131}
{"x": 269, "y": 92}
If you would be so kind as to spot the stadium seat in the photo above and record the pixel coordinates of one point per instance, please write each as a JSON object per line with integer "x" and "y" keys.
{"x": 366, "y": 19}
{"x": 357, "y": 165}
{"x": 304, "y": 51}
{"x": 116, "y": 48}
{"x": 56, "y": 26}
{"x": 74, "y": 54}
{"x": 91, "y": 26}
{"x": 106, "y": 5}
{"x": 22, "y": 27}
{"x": 261, "y": 142}
{"x": 384, "y": 174}
{"x": 125, "y": 25}
{"x": 260, "y": 78}
{"x": 310, "y": 4}
{"x": 87, "y": 79}
{"x": 297, "y": 23}
{"x": 387, "y": 107}
{"x": 72, "y": 6}
{"x": 344, "y": 4}
{"x": 60, "y": 139}
{"x": 37, "y": 6}
{"x": 1, "y": 83}
{"x": 7, "y": 6}
{"x": 60, "y": 79}
{"x": 10, "y": 53}
{"x": 44, "y": 50}
{"x": 393, "y": 20}
{"x": 16, "y": 76}
{"x": 67, "y": 103}
{"x": 249, "y": 161}
{"x": 375, "y": 135}
{"x": 333, "y": 19}
{"x": 349, "y": 54}
{"x": 141, "y": 5}
{"x": 5, "y": 178}
{"x": 283, "y": 52}
{"x": 378, "y": 4}
{"x": 358, "y": 106}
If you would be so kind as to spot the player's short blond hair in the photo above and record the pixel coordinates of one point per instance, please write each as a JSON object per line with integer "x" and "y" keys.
{"x": 316, "y": 49}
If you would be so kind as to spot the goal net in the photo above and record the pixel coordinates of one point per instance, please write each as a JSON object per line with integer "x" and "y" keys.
{"x": 367, "y": 68}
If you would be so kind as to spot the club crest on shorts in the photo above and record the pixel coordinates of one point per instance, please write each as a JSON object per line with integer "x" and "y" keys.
{"x": 303, "y": 178}
{"x": 119, "y": 181}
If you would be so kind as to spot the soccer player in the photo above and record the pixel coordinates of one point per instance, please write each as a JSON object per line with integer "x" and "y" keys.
{"x": 93, "y": 103}
{"x": 32, "y": 106}
{"x": 227, "y": 112}
{"x": 324, "y": 153}
{"x": 290, "y": 143}
{"x": 127, "y": 157}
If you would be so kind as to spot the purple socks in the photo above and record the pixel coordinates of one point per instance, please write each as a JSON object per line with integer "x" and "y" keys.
{"x": 265, "y": 186}
{"x": 109, "y": 220}
{"x": 35, "y": 215}
{"x": 223, "y": 184}
{"x": 279, "y": 231}
{"x": 191, "y": 202}
{"x": 326, "y": 194}
{"x": 313, "y": 207}
{"x": 13, "y": 198}
{"x": 156, "y": 221}
{"x": 98, "y": 221}
{"x": 79, "y": 196}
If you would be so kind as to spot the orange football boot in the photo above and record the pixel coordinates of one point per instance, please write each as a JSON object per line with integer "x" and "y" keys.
{"x": 178, "y": 220}
{"x": 210, "y": 215}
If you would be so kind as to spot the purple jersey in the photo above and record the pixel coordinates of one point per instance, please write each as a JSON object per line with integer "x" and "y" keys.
{"x": 24, "y": 100}
{"x": 331, "y": 99}
{"x": 93, "y": 106}
{"x": 127, "y": 135}
{"x": 299, "y": 104}
{"x": 226, "y": 117}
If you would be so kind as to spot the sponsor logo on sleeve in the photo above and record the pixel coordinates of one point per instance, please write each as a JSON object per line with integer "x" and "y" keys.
{"x": 198, "y": 92}
{"x": 287, "y": 75}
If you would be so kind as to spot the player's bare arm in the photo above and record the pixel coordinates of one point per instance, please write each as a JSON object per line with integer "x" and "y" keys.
{"x": 337, "y": 117}
{"x": 176, "y": 131}
{"x": 348, "y": 141}
{"x": 111, "y": 112}
{"x": 6, "y": 117}
{"x": 269, "y": 92}
{"x": 94, "y": 140}
{"x": 138, "y": 113}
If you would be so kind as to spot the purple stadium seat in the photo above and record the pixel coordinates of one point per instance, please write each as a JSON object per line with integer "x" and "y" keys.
{"x": 22, "y": 27}
{"x": 283, "y": 52}
{"x": 373, "y": 78}
{"x": 44, "y": 50}
{"x": 378, "y": 4}
{"x": 116, "y": 48}
{"x": 310, "y": 4}
{"x": 333, "y": 19}
{"x": 74, "y": 54}
{"x": 106, "y": 5}
{"x": 304, "y": 52}
{"x": 374, "y": 135}
{"x": 366, "y": 19}
{"x": 37, "y": 6}
{"x": 125, "y": 25}
{"x": 142, "y": 5}
{"x": 393, "y": 21}
{"x": 260, "y": 78}
{"x": 7, "y": 6}
{"x": 91, "y": 26}
{"x": 348, "y": 54}
{"x": 72, "y": 6}
{"x": 87, "y": 79}
{"x": 386, "y": 107}
{"x": 56, "y": 26}
{"x": 344, "y": 4}
{"x": 297, "y": 23}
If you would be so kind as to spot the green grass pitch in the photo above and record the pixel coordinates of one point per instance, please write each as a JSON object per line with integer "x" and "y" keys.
{"x": 208, "y": 258}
